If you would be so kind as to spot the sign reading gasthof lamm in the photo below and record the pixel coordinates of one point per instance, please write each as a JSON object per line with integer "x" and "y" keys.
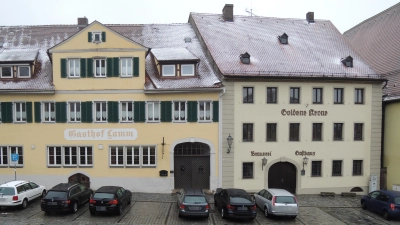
{"x": 100, "y": 134}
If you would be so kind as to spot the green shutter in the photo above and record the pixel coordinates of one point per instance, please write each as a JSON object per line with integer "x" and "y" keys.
{"x": 215, "y": 111}
{"x": 113, "y": 116}
{"x": 86, "y": 112}
{"x": 61, "y": 112}
{"x": 116, "y": 66}
{"x": 63, "y": 65}
{"x": 103, "y": 36}
{"x": 166, "y": 111}
{"x": 29, "y": 112}
{"x": 38, "y": 117}
{"x": 83, "y": 68}
{"x": 89, "y": 67}
{"x": 139, "y": 112}
{"x": 109, "y": 67}
{"x": 83, "y": 112}
{"x": 6, "y": 112}
{"x": 192, "y": 111}
{"x": 89, "y": 36}
{"x": 136, "y": 66}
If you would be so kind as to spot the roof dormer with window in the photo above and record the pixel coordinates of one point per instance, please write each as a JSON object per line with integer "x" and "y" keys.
{"x": 17, "y": 63}
{"x": 245, "y": 58}
{"x": 348, "y": 61}
{"x": 284, "y": 39}
{"x": 175, "y": 62}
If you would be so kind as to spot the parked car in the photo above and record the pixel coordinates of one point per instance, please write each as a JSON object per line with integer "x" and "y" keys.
{"x": 385, "y": 202}
{"x": 192, "y": 202}
{"x": 65, "y": 197}
{"x": 235, "y": 203}
{"x": 19, "y": 193}
{"x": 277, "y": 202}
{"x": 110, "y": 199}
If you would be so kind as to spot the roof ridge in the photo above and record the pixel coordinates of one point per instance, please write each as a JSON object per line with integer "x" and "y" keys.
{"x": 266, "y": 17}
{"x": 48, "y": 25}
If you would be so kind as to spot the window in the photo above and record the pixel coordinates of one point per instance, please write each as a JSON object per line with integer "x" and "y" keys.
{"x": 247, "y": 95}
{"x": 316, "y": 167}
{"x": 338, "y": 131}
{"x": 132, "y": 156}
{"x": 168, "y": 70}
{"x": 317, "y": 95}
{"x": 358, "y": 131}
{"x": 100, "y": 67}
{"x": 19, "y": 151}
{"x": 20, "y": 111}
{"x": 247, "y": 132}
{"x": 126, "y": 67}
{"x": 116, "y": 156}
{"x": 3, "y": 156}
{"x": 187, "y": 70}
{"x": 247, "y": 170}
{"x": 317, "y": 132}
{"x": 49, "y": 112}
{"x": 294, "y": 95}
{"x": 96, "y": 36}
{"x": 6, "y": 72}
{"x": 54, "y": 156}
{"x": 74, "y": 68}
{"x": 337, "y": 168}
{"x": 85, "y": 156}
{"x": 272, "y": 95}
{"x": 204, "y": 111}
{"x": 126, "y": 112}
{"x": 101, "y": 111}
{"x": 271, "y": 131}
{"x": 24, "y": 71}
{"x": 74, "y": 111}
{"x": 179, "y": 111}
{"x": 294, "y": 132}
{"x": 359, "y": 96}
{"x": 153, "y": 111}
{"x": 338, "y": 95}
{"x": 357, "y": 167}
{"x": 70, "y": 156}
{"x": 149, "y": 156}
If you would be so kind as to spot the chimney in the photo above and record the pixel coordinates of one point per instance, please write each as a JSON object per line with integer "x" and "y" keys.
{"x": 82, "y": 22}
{"x": 227, "y": 12}
{"x": 310, "y": 17}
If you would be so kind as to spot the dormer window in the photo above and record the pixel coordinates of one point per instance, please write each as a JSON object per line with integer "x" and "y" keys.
{"x": 168, "y": 70}
{"x": 348, "y": 61}
{"x": 175, "y": 62}
{"x": 187, "y": 69}
{"x": 245, "y": 58}
{"x": 24, "y": 72}
{"x": 284, "y": 39}
{"x": 6, "y": 72}
{"x": 97, "y": 37}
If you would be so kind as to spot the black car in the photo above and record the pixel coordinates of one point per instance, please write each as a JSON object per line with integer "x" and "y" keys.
{"x": 65, "y": 197}
{"x": 235, "y": 203}
{"x": 109, "y": 199}
{"x": 192, "y": 202}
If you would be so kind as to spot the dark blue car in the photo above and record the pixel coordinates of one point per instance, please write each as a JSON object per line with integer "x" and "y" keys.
{"x": 385, "y": 202}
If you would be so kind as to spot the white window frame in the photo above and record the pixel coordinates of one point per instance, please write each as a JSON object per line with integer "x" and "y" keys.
{"x": 101, "y": 111}
{"x": 126, "y": 72}
{"x": 86, "y": 155}
{"x": 21, "y": 113}
{"x": 0, "y": 113}
{"x": 179, "y": 111}
{"x": 204, "y": 111}
{"x": 75, "y": 113}
{"x": 5, "y": 155}
{"x": 187, "y": 65}
{"x": 152, "y": 111}
{"x": 117, "y": 161}
{"x": 121, "y": 118}
{"x": 132, "y": 149}
{"x": 70, "y": 156}
{"x": 105, "y": 67}
{"x": 49, "y": 119}
{"x": 94, "y": 33}
{"x": 29, "y": 71}
{"x": 148, "y": 156}
{"x": 77, "y": 69}
{"x": 168, "y": 75}
{"x": 1, "y": 71}
{"x": 54, "y": 148}
{"x": 20, "y": 155}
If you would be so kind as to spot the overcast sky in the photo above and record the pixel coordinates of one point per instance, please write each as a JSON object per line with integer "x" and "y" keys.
{"x": 344, "y": 14}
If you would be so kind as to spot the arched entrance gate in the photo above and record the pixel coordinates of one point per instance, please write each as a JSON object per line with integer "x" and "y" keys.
{"x": 192, "y": 165}
{"x": 282, "y": 175}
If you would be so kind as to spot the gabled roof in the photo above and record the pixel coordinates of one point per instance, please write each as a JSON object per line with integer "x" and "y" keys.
{"x": 314, "y": 50}
{"x": 18, "y": 55}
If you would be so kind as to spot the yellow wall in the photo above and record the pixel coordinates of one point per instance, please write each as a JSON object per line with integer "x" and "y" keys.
{"x": 391, "y": 143}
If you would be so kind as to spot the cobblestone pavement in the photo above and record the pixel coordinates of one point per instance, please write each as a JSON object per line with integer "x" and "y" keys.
{"x": 162, "y": 209}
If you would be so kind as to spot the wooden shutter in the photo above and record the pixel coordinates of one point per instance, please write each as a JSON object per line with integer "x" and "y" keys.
{"x": 89, "y": 67}
{"x": 89, "y": 36}
{"x": 6, "y": 112}
{"x": 86, "y": 112}
{"x": 136, "y": 66}
{"x": 166, "y": 111}
{"x": 63, "y": 65}
{"x": 83, "y": 68}
{"x": 38, "y": 117}
{"x": 113, "y": 116}
{"x": 139, "y": 112}
{"x": 116, "y": 66}
{"x": 109, "y": 67}
{"x": 61, "y": 112}
{"x": 29, "y": 112}
{"x": 192, "y": 111}
{"x": 215, "y": 111}
{"x": 103, "y": 36}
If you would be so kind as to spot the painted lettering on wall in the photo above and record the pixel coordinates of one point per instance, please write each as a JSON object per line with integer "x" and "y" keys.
{"x": 304, "y": 153}
{"x": 100, "y": 134}
{"x": 253, "y": 153}
{"x": 311, "y": 112}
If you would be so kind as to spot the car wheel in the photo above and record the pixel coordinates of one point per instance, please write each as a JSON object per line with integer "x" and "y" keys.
{"x": 129, "y": 202}
{"x": 386, "y": 215}
{"x": 223, "y": 213}
{"x": 179, "y": 215}
{"x": 43, "y": 193}
{"x": 363, "y": 205}
{"x": 120, "y": 209}
{"x": 266, "y": 212}
{"x": 74, "y": 207}
{"x": 24, "y": 203}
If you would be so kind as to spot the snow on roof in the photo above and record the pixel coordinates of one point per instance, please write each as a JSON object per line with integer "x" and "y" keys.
{"x": 164, "y": 54}
{"x": 14, "y": 55}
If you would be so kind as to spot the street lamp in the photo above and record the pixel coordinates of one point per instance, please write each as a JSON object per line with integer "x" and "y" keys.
{"x": 264, "y": 162}
{"x": 305, "y": 161}
{"x": 229, "y": 139}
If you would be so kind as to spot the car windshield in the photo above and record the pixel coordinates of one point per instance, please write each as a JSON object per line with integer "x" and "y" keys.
{"x": 396, "y": 200}
{"x": 7, "y": 190}
{"x": 195, "y": 199}
{"x": 241, "y": 199}
{"x": 56, "y": 194}
{"x": 285, "y": 199}
{"x": 103, "y": 195}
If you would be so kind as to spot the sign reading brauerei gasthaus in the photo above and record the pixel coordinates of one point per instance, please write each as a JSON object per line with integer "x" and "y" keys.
{"x": 100, "y": 134}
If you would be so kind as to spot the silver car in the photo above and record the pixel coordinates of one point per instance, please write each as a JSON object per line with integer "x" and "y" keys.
{"x": 277, "y": 202}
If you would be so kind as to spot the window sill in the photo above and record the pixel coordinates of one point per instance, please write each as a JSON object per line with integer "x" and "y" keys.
{"x": 55, "y": 166}
{"x": 126, "y": 76}
{"x": 155, "y": 122}
{"x": 100, "y": 76}
{"x": 337, "y": 175}
{"x": 74, "y": 122}
{"x": 132, "y": 166}
{"x": 359, "y": 140}
{"x": 70, "y": 166}
{"x": 317, "y": 103}
{"x": 318, "y": 140}
{"x": 337, "y": 139}
{"x": 205, "y": 121}
{"x": 244, "y": 141}
{"x": 294, "y": 102}
{"x": 338, "y": 103}
{"x": 117, "y": 166}
{"x": 357, "y": 175}
{"x": 76, "y": 77}
{"x": 316, "y": 175}
{"x": 16, "y": 122}
{"x": 179, "y": 121}
{"x": 247, "y": 178}
{"x": 271, "y": 141}
{"x": 100, "y": 121}
{"x": 149, "y": 166}
{"x": 85, "y": 166}
{"x": 48, "y": 121}
{"x": 126, "y": 121}
{"x": 272, "y": 102}
{"x": 248, "y": 102}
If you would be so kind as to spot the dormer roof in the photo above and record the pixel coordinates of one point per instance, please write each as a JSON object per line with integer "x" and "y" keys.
{"x": 18, "y": 55}
{"x": 173, "y": 54}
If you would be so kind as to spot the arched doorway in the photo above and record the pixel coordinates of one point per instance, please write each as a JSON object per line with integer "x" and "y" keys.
{"x": 80, "y": 178}
{"x": 192, "y": 165}
{"x": 282, "y": 175}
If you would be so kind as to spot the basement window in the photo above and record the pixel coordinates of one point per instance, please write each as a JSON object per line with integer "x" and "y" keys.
{"x": 348, "y": 61}
{"x": 245, "y": 58}
{"x": 284, "y": 39}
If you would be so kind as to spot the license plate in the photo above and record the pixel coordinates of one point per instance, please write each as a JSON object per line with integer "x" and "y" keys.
{"x": 100, "y": 208}
{"x": 242, "y": 208}
{"x": 194, "y": 208}
{"x": 51, "y": 203}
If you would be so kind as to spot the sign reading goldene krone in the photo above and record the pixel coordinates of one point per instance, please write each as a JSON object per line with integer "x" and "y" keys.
{"x": 100, "y": 134}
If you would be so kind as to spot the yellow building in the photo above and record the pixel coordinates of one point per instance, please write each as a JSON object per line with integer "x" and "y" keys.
{"x": 136, "y": 106}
